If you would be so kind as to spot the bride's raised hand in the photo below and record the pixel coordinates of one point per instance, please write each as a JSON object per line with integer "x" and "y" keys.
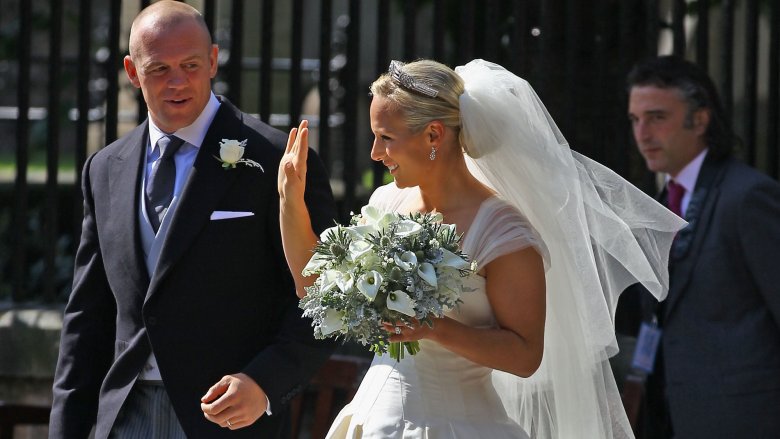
{"x": 298, "y": 238}
{"x": 291, "y": 181}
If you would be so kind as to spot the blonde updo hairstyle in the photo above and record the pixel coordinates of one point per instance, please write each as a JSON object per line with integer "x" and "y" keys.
{"x": 418, "y": 109}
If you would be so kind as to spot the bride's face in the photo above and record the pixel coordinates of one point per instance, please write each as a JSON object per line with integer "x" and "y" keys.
{"x": 404, "y": 153}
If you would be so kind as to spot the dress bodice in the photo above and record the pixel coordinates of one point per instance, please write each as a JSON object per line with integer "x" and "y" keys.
{"x": 437, "y": 393}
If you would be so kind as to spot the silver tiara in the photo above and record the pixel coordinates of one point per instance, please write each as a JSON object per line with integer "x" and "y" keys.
{"x": 408, "y": 82}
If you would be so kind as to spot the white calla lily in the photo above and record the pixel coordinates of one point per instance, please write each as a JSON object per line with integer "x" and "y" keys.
{"x": 428, "y": 273}
{"x": 345, "y": 282}
{"x": 401, "y": 302}
{"x": 329, "y": 280}
{"x": 358, "y": 249}
{"x": 315, "y": 264}
{"x": 333, "y": 322}
{"x": 326, "y": 232}
{"x": 360, "y": 232}
{"x": 375, "y": 218}
{"x": 369, "y": 284}
{"x": 407, "y": 228}
{"x": 371, "y": 214}
{"x": 450, "y": 259}
{"x": 406, "y": 260}
{"x": 386, "y": 220}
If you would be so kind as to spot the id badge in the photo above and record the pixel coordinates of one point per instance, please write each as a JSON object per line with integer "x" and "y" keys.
{"x": 646, "y": 347}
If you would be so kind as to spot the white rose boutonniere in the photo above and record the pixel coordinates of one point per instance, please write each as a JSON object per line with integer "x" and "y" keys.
{"x": 231, "y": 153}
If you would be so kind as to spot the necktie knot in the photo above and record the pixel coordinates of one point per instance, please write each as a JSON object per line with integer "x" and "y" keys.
{"x": 168, "y": 146}
{"x": 674, "y": 196}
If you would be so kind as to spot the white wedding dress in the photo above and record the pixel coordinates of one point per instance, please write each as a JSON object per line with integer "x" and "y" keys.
{"x": 598, "y": 234}
{"x": 436, "y": 393}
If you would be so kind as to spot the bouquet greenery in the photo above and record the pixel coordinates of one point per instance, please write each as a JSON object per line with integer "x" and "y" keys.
{"x": 384, "y": 267}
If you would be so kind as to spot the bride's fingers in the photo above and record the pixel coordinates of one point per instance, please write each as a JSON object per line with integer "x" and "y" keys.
{"x": 302, "y": 144}
{"x": 291, "y": 138}
{"x": 297, "y": 145}
{"x": 399, "y": 327}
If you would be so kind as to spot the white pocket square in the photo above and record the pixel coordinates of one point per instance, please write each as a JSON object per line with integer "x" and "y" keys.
{"x": 227, "y": 214}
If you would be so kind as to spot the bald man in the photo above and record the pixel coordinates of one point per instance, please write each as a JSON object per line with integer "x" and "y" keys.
{"x": 183, "y": 319}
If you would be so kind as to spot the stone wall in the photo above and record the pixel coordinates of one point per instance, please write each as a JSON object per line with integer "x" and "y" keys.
{"x": 29, "y": 342}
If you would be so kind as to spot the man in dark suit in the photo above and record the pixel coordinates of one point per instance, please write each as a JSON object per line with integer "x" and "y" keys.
{"x": 717, "y": 373}
{"x": 183, "y": 320}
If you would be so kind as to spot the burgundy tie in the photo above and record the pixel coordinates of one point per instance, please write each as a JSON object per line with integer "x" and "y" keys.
{"x": 674, "y": 196}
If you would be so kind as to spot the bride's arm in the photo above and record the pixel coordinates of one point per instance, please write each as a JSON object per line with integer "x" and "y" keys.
{"x": 516, "y": 291}
{"x": 298, "y": 238}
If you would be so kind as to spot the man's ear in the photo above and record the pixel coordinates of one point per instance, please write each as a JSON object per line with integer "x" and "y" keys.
{"x": 132, "y": 72}
{"x": 213, "y": 61}
{"x": 701, "y": 120}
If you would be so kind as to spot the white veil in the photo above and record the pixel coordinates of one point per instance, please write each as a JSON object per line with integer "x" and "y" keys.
{"x": 601, "y": 232}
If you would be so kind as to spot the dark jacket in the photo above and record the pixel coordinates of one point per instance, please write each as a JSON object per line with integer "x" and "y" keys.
{"x": 221, "y": 300}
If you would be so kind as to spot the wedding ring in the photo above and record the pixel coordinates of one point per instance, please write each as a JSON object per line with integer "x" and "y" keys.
{"x": 229, "y": 424}
{"x": 397, "y": 330}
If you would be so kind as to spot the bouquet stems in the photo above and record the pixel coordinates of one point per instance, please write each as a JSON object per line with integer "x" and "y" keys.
{"x": 396, "y": 350}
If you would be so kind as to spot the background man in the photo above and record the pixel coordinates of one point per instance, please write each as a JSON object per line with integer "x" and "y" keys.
{"x": 183, "y": 318}
{"x": 717, "y": 374}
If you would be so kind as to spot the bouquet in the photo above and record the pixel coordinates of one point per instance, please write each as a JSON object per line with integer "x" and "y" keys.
{"x": 384, "y": 267}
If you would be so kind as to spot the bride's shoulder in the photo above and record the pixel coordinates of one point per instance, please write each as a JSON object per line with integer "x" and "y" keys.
{"x": 497, "y": 210}
{"x": 501, "y": 225}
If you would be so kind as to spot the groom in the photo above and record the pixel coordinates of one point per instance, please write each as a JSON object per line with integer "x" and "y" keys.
{"x": 183, "y": 320}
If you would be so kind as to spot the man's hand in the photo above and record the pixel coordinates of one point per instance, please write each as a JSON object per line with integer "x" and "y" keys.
{"x": 236, "y": 401}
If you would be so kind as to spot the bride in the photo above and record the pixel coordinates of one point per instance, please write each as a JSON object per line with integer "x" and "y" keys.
{"x": 556, "y": 238}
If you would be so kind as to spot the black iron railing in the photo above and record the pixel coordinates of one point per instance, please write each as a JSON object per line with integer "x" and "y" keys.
{"x": 574, "y": 53}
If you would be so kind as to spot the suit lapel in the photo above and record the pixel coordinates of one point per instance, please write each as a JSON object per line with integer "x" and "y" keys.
{"x": 202, "y": 192}
{"x": 686, "y": 248}
{"x": 124, "y": 181}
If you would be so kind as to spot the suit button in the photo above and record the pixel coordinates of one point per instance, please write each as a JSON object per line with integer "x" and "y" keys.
{"x": 151, "y": 321}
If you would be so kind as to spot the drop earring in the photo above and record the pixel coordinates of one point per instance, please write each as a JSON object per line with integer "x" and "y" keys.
{"x": 433, "y": 154}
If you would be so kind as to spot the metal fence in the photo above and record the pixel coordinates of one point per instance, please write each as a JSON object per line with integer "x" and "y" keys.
{"x": 62, "y": 84}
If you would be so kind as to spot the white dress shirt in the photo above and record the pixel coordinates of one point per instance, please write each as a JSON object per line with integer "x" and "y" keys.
{"x": 184, "y": 158}
{"x": 687, "y": 179}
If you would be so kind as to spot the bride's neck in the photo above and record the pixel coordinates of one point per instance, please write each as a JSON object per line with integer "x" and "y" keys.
{"x": 452, "y": 188}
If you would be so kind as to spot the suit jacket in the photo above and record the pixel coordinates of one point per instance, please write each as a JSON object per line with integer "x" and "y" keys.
{"x": 721, "y": 319}
{"x": 221, "y": 300}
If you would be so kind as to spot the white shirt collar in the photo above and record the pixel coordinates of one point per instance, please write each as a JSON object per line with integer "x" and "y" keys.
{"x": 687, "y": 177}
{"x": 194, "y": 133}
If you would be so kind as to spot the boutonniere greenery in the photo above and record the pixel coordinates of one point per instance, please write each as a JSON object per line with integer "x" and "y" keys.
{"x": 231, "y": 154}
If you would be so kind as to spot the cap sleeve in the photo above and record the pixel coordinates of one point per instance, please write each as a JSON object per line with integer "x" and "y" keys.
{"x": 499, "y": 229}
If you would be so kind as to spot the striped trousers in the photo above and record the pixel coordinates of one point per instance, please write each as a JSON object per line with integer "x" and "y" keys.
{"x": 147, "y": 413}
